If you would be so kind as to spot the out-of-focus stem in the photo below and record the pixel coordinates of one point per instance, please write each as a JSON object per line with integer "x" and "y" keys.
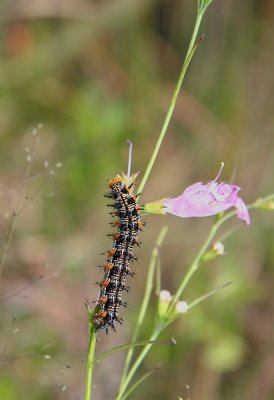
{"x": 147, "y": 294}
{"x": 90, "y": 361}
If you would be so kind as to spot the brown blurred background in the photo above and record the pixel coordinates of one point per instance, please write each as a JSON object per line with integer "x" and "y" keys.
{"x": 94, "y": 74}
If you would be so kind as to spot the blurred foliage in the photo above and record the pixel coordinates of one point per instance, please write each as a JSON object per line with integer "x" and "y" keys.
{"x": 96, "y": 73}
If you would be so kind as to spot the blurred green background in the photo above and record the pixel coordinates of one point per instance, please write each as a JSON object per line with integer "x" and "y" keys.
{"x": 94, "y": 74}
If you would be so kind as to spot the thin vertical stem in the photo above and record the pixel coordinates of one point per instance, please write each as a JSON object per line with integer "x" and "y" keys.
{"x": 90, "y": 362}
{"x": 147, "y": 294}
{"x": 190, "y": 52}
{"x": 128, "y": 375}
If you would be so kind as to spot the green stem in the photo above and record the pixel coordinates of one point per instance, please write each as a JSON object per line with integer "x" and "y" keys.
{"x": 261, "y": 201}
{"x": 165, "y": 322}
{"x": 138, "y": 382}
{"x": 189, "y": 55}
{"x": 196, "y": 262}
{"x": 142, "y": 313}
{"x": 90, "y": 361}
{"x": 138, "y": 362}
{"x": 191, "y": 50}
{"x": 220, "y": 220}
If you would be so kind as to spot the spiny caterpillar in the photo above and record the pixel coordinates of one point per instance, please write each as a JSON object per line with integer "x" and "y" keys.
{"x": 119, "y": 257}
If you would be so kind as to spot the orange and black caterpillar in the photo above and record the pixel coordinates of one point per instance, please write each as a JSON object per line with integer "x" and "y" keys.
{"x": 117, "y": 265}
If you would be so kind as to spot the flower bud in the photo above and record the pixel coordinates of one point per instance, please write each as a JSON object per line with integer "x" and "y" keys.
{"x": 216, "y": 250}
{"x": 163, "y": 303}
{"x": 182, "y": 307}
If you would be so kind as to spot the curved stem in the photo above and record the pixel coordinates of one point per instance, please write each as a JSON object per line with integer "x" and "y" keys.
{"x": 138, "y": 362}
{"x": 196, "y": 262}
{"x": 189, "y": 55}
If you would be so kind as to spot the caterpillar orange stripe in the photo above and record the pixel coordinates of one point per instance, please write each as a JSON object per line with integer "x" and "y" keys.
{"x": 120, "y": 256}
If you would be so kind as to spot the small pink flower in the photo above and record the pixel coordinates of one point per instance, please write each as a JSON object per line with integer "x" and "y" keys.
{"x": 202, "y": 200}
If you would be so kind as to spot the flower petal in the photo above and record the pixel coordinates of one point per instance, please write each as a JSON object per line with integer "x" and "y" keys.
{"x": 242, "y": 210}
{"x": 201, "y": 200}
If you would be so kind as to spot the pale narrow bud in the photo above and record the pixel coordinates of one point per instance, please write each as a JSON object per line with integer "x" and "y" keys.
{"x": 163, "y": 303}
{"x": 165, "y": 296}
{"x": 216, "y": 250}
{"x": 182, "y": 307}
{"x": 219, "y": 248}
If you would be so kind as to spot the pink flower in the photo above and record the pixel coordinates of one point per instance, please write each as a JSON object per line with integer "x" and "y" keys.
{"x": 201, "y": 200}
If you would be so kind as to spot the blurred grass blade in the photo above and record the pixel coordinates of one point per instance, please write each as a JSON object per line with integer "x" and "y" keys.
{"x": 158, "y": 284}
{"x": 205, "y": 296}
{"x": 138, "y": 382}
{"x": 136, "y": 344}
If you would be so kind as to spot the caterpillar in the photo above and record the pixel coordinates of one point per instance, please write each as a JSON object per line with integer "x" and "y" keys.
{"x": 120, "y": 256}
